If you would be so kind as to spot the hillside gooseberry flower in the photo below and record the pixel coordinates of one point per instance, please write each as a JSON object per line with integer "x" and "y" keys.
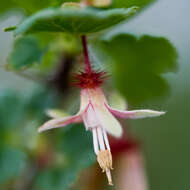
{"x": 99, "y": 118}
{"x": 97, "y": 115}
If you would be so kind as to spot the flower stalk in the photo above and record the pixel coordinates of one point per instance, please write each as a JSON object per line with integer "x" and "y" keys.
{"x": 88, "y": 68}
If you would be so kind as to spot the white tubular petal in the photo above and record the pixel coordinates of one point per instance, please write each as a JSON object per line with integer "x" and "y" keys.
{"x": 135, "y": 114}
{"x": 95, "y": 141}
{"x": 106, "y": 139}
{"x": 107, "y": 120}
{"x": 100, "y": 113}
{"x": 89, "y": 118}
{"x": 60, "y": 122}
{"x": 100, "y": 139}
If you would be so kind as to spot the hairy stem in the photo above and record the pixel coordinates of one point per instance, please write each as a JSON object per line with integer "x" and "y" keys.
{"x": 88, "y": 68}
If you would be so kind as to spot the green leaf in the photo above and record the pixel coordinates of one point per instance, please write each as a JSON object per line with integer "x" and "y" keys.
{"x": 138, "y": 64}
{"x": 26, "y": 52}
{"x": 6, "y": 5}
{"x": 18, "y": 5}
{"x": 71, "y": 139}
{"x": 73, "y": 20}
{"x": 77, "y": 154}
{"x": 11, "y": 108}
{"x": 129, "y": 3}
{"x": 29, "y": 7}
{"x": 12, "y": 163}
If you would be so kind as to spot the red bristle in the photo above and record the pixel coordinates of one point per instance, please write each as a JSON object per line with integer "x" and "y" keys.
{"x": 89, "y": 80}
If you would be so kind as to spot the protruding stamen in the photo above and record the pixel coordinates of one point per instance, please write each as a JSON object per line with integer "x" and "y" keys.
{"x": 95, "y": 141}
{"x": 100, "y": 139}
{"x": 102, "y": 150}
{"x": 106, "y": 139}
{"x": 104, "y": 159}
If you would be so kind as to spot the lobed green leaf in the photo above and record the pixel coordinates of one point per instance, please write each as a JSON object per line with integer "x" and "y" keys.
{"x": 138, "y": 64}
{"x": 26, "y": 52}
{"x": 73, "y": 20}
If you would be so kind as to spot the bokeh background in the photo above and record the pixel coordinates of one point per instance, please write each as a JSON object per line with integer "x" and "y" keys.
{"x": 165, "y": 140}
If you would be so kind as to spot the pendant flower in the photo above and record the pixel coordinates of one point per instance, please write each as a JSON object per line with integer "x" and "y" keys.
{"x": 99, "y": 118}
{"x": 96, "y": 114}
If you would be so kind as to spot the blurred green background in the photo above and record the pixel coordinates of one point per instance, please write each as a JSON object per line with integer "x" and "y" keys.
{"x": 24, "y": 156}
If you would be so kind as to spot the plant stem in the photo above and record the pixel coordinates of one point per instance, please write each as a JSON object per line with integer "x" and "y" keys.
{"x": 88, "y": 68}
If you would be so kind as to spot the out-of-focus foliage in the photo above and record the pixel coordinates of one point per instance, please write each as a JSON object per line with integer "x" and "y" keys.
{"x": 138, "y": 64}
{"x": 13, "y": 116}
{"x": 64, "y": 174}
{"x": 21, "y": 5}
{"x": 42, "y": 51}
{"x": 73, "y": 20}
{"x": 5, "y": 5}
{"x": 12, "y": 163}
{"x": 32, "y": 53}
{"x": 18, "y": 108}
{"x": 129, "y": 3}
{"x": 54, "y": 160}
{"x": 19, "y": 150}
{"x": 29, "y": 7}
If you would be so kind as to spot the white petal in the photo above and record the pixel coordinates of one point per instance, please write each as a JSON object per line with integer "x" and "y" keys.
{"x": 107, "y": 120}
{"x": 89, "y": 118}
{"x": 84, "y": 100}
{"x": 60, "y": 122}
{"x": 137, "y": 114}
